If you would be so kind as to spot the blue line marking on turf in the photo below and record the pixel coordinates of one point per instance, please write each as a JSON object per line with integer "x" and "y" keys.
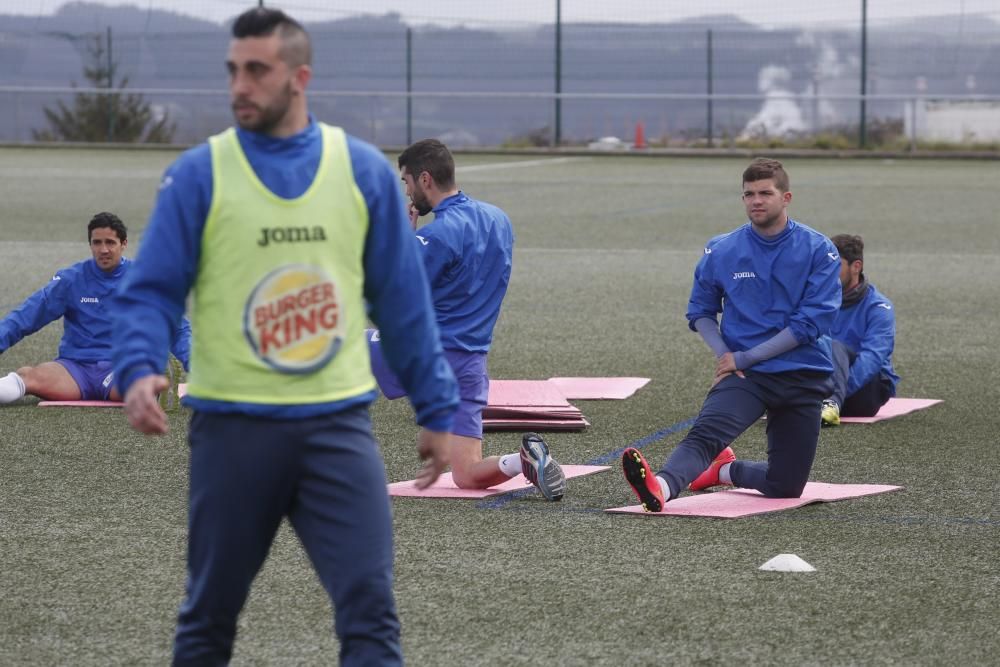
{"x": 502, "y": 501}
{"x": 642, "y": 442}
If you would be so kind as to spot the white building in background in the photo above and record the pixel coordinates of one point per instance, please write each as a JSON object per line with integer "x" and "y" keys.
{"x": 958, "y": 121}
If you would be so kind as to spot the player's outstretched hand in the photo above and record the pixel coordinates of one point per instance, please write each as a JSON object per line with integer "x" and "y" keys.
{"x": 432, "y": 447}
{"x": 142, "y": 407}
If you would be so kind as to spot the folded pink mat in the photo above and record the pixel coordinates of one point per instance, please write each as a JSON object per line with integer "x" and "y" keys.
{"x": 596, "y": 388}
{"x": 735, "y": 503}
{"x": 80, "y": 404}
{"x": 895, "y": 407}
{"x": 536, "y": 393}
{"x": 501, "y": 423}
{"x": 444, "y": 487}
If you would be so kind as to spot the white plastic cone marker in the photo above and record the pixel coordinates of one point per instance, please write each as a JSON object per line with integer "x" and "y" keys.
{"x": 787, "y": 563}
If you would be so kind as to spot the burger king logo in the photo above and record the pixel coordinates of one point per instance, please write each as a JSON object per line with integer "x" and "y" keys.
{"x": 292, "y": 319}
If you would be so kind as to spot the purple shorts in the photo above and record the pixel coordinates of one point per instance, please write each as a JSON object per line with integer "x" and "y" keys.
{"x": 473, "y": 384}
{"x": 94, "y": 378}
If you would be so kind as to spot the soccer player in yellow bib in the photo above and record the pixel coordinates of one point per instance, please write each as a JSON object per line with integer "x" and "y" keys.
{"x": 289, "y": 233}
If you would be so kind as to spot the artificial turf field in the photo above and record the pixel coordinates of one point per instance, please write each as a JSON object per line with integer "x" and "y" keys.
{"x": 92, "y": 514}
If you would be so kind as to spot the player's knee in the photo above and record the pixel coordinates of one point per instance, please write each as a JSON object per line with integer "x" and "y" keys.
{"x": 464, "y": 480}
{"x": 785, "y": 489}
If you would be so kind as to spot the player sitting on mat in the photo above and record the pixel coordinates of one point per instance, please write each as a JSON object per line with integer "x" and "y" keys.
{"x": 82, "y": 295}
{"x": 467, "y": 252}
{"x": 861, "y": 339}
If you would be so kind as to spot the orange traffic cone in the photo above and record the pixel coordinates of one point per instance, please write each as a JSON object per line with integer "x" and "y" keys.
{"x": 640, "y": 135}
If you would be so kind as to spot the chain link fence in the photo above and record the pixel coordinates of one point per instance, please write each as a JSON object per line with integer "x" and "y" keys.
{"x": 537, "y": 78}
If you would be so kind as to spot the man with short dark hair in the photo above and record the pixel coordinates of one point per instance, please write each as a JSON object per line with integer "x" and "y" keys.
{"x": 774, "y": 281}
{"x": 289, "y": 233}
{"x": 862, "y": 340}
{"x": 467, "y": 252}
{"x": 82, "y": 295}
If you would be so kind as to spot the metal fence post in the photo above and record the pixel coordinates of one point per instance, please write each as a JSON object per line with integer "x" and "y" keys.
{"x": 557, "y": 137}
{"x": 862, "y": 123}
{"x": 409, "y": 86}
{"x": 709, "y": 76}
{"x": 111, "y": 99}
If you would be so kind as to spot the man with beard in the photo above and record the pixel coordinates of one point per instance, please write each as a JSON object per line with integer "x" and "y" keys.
{"x": 468, "y": 252}
{"x": 862, "y": 339}
{"x": 775, "y": 282}
{"x": 287, "y": 231}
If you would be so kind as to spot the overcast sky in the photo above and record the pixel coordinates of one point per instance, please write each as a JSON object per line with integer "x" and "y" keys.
{"x": 515, "y": 12}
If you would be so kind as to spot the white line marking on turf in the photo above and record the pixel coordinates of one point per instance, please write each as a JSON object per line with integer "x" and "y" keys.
{"x": 520, "y": 163}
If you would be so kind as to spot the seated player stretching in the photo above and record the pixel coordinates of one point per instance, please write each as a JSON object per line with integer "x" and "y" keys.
{"x": 83, "y": 295}
{"x": 861, "y": 340}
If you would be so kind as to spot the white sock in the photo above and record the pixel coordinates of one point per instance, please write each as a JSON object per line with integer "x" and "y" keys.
{"x": 724, "y": 477}
{"x": 510, "y": 465}
{"x": 664, "y": 487}
{"x": 11, "y": 388}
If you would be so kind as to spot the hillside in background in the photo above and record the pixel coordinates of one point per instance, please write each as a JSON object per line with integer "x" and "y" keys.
{"x": 367, "y": 54}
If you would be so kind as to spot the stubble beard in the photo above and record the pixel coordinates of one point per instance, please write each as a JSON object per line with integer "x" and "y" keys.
{"x": 269, "y": 117}
{"x": 420, "y": 203}
{"x": 770, "y": 222}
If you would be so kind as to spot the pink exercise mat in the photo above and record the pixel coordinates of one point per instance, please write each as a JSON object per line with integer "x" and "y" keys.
{"x": 521, "y": 393}
{"x": 537, "y": 405}
{"x": 444, "y": 487}
{"x": 895, "y": 407}
{"x": 540, "y": 424}
{"x": 80, "y": 404}
{"x": 735, "y": 503}
{"x": 597, "y": 388}
{"x": 531, "y": 412}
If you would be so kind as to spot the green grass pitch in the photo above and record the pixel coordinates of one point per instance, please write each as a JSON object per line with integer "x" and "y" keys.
{"x": 92, "y": 515}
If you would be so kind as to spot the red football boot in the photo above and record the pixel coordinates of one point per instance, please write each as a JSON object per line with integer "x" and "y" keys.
{"x": 642, "y": 480}
{"x": 711, "y": 476}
